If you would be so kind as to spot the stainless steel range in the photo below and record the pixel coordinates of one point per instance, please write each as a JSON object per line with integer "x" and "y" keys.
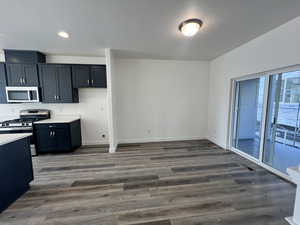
{"x": 24, "y": 124}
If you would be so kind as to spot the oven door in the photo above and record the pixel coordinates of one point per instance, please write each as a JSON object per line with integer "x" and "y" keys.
{"x": 21, "y": 130}
{"x": 22, "y": 94}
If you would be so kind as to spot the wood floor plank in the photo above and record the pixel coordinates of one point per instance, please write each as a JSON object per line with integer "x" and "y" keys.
{"x": 62, "y": 168}
{"x": 162, "y": 222}
{"x": 206, "y": 167}
{"x": 113, "y": 181}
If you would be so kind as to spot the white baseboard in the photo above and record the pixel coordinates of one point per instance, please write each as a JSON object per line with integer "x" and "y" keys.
{"x": 95, "y": 143}
{"x": 145, "y": 140}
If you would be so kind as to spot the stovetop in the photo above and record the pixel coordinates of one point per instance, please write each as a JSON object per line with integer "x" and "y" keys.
{"x": 27, "y": 118}
{"x": 17, "y": 123}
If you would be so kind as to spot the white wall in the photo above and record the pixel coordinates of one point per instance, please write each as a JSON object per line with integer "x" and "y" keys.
{"x": 92, "y": 106}
{"x": 276, "y": 49}
{"x": 75, "y": 59}
{"x": 161, "y": 100}
{"x": 112, "y": 101}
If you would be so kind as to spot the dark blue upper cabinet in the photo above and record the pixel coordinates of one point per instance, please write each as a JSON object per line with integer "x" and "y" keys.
{"x": 65, "y": 91}
{"x": 22, "y": 74}
{"x": 98, "y": 76}
{"x": 85, "y": 76}
{"x": 24, "y": 56}
{"x": 48, "y": 79}
{"x": 2, "y": 84}
{"x": 56, "y": 83}
{"x": 81, "y": 76}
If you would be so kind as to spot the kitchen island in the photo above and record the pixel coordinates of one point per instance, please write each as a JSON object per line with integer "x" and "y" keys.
{"x": 58, "y": 134}
{"x": 15, "y": 167}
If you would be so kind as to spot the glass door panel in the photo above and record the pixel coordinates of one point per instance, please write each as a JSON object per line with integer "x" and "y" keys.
{"x": 248, "y": 116}
{"x": 282, "y": 133}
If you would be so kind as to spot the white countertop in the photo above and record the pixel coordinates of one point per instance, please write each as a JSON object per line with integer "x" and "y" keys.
{"x": 59, "y": 119}
{"x": 8, "y": 138}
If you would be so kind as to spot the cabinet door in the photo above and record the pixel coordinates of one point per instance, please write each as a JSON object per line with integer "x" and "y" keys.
{"x": 48, "y": 78}
{"x": 30, "y": 75}
{"x": 2, "y": 84}
{"x": 81, "y": 76}
{"x": 22, "y": 74}
{"x": 98, "y": 76}
{"x": 14, "y": 74}
{"x": 46, "y": 141}
{"x": 62, "y": 138}
{"x": 65, "y": 91}
{"x": 27, "y": 160}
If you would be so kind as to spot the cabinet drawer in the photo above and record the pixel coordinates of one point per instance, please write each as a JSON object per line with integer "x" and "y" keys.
{"x": 52, "y": 125}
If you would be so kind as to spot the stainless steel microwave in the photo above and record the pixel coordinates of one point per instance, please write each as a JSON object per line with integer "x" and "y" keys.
{"x": 22, "y": 94}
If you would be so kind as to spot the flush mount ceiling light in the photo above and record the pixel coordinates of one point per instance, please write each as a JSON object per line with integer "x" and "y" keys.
{"x": 63, "y": 34}
{"x": 190, "y": 27}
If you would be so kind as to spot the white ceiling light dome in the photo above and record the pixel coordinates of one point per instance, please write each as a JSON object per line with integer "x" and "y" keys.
{"x": 63, "y": 34}
{"x": 190, "y": 27}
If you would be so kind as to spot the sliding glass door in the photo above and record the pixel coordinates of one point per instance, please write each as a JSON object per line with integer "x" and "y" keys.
{"x": 248, "y": 116}
{"x": 266, "y": 120}
{"x": 282, "y": 135}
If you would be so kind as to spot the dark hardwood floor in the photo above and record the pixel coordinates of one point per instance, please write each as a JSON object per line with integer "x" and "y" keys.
{"x": 170, "y": 183}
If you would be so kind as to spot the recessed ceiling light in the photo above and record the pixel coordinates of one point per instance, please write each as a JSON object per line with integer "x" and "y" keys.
{"x": 63, "y": 34}
{"x": 190, "y": 27}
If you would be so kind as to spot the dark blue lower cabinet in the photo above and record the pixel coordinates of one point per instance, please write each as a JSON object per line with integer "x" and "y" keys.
{"x": 57, "y": 137}
{"x": 15, "y": 171}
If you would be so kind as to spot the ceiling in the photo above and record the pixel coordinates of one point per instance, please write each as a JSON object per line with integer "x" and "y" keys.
{"x": 139, "y": 28}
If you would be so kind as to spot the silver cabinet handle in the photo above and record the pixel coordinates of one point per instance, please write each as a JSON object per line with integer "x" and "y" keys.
{"x": 22, "y": 80}
{"x": 54, "y": 97}
{"x": 57, "y": 97}
{"x": 92, "y": 82}
{"x": 50, "y": 133}
{"x": 88, "y": 81}
{"x": 53, "y": 133}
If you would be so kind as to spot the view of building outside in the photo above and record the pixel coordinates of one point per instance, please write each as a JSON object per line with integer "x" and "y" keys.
{"x": 290, "y": 89}
{"x": 289, "y": 109}
{"x": 288, "y": 117}
{"x": 289, "y": 99}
